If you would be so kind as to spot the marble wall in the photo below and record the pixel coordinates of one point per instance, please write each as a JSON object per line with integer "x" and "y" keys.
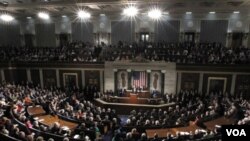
{"x": 168, "y": 69}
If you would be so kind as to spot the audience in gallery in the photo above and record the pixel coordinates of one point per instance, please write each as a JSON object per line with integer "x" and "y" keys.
{"x": 189, "y": 106}
{"x": 183, "y": 53}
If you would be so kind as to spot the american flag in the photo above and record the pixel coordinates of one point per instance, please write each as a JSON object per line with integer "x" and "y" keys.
{"x": 139, "y": 79}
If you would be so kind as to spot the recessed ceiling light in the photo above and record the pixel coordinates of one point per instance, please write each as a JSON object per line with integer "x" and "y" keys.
{"x": 6, "y": 17}
{"x": 83, "y": 14}
{"x": 43, "y": 15}
{"x": 28, "y": 17}
{"x": 64, "y": 16}
{"x": 102, "y": 14}
{"x": 188, "y": 12}
{"x": 212, "y": 12}
{"x": 155, "y": 14}
{"x": 236, "y": 12}
{"x": 130, "y": 11}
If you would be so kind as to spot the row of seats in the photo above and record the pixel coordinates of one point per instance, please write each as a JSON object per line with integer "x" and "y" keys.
{"x": 185, "y": 53}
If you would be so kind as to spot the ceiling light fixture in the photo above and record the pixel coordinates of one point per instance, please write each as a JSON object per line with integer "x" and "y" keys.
{"x": 212, "y": 12}
{"x": 7, "y": 17}
{"x": 130, "y": 11}
{"x": 155, "y": 14}
{"x": 188, "y": 12}
{"x": 236, "y": 12}
{"x": 83, "y": 14}
{"x": 43, "y": 15}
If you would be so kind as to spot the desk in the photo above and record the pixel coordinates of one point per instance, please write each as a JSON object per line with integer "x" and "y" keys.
{"x": 50, "y": 120}
{"x": 133, "y": 99}
{"x": 162, "y": 133}
{"x": 142, "y": 94}
{"x": 35, "y": 111}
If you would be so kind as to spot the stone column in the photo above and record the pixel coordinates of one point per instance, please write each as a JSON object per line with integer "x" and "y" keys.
{"x": 162, "y": 81}
{"x": 28, "y": 75}
{"x": 148, "y": 75}
{"x": 41, "y": 77}
{"x": 233, "y": 84}
{"x": 200, "y": 82}
{"x": 2, "y": 75}
{"x": 178, "y": 82}
{"x": 115, "y": 79}
{"x": 101, "y": 81}
{"x": 83, "y": 78}
{"x": 57, "y": 78}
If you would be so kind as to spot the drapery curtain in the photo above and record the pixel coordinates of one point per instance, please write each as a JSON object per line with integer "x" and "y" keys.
{"x": 167, "y": 31}
{"x": 10, "y": 34}
{"x": 122, "y": 31}
{"x": 82, "y": 31}
{"x": 45, "y": 35}
{"x": 214, "y": 31}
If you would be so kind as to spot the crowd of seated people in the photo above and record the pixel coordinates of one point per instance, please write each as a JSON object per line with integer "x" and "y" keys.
{"x": 85, "y": 112}
{"x": 185, "y": 53}
{"x": 72, "y": 52}
{"x": 187, "y": 108}
{"x": 190, "y": 106}
{"x": 22, "y": 96}
{"x": 192, "y": 109}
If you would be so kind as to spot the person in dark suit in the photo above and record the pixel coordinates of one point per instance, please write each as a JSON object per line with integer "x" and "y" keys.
{"x": 156, "y": 138}
{"x": 198, "y": 122}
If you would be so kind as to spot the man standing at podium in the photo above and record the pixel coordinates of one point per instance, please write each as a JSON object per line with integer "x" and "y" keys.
{"x": 133, "y": 89}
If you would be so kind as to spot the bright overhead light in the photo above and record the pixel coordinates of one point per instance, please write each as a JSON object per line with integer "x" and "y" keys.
{"x": 29, "y": 17}
{"x": 83, "y": 14}
{"x": 236, "y": 12}
{"x": 212, "y": 12}
{"x": 130, "y": 11}
{"x": 188, "y": 12}
{"x": 43, "y": 15}
{"x": 6, "y": 17}
{"x": 155, "y": 14}
{"x": 64, "y": 16}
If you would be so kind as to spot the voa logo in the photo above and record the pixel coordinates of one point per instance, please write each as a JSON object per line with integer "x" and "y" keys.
{"x": 236, "y": 132}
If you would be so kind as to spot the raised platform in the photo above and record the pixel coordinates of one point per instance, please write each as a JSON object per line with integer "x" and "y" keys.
{"x": 140, "y": 94}
{"x": 133, "y": 99}
{"x": 128, "y": 107}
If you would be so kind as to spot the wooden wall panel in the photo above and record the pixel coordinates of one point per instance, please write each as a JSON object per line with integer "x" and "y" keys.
{"x": 190, "y": 81}
{"x": 92, "y": 77}
{"x": 15, "y": 75}
{"x": 78, "y": 72}
{"x": 242, "y": 85}
{"x": 227, "y": 76}
{"x": 35, "y": 76}
{"x": 49, "y": 78}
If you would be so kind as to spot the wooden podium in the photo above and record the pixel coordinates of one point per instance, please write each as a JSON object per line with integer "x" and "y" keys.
{"x": 133, "y": 98}
{"x": 142, "y": 94}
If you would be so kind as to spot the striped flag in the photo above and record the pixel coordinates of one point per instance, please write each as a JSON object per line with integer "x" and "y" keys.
{"x": 139, "y": 79}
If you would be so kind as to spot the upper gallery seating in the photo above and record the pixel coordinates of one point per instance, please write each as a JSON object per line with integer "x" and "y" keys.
{"x": 185, "y": 53}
